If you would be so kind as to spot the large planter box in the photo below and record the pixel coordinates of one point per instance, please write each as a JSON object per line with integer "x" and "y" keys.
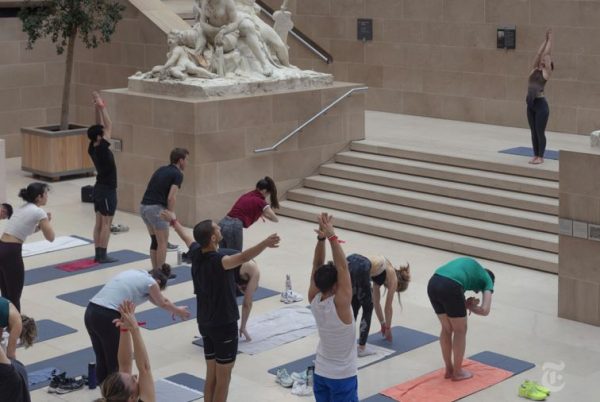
{"x": 49, "y": 152}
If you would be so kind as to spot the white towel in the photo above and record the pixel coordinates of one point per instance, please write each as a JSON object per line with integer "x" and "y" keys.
{"x": 278, "y": 327}
{"x": 59, "y": 243}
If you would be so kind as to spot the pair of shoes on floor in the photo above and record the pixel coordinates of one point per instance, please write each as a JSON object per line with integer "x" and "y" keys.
{"x": 289, "y": 296}
{"x": 119, "y": 228}
{"x": 61, "y": 384}
{"x": 305, "y": 376}
{"x": 284, "y": 379}
{"x": 534, "y": 391}
{"x": 300, "y": 383}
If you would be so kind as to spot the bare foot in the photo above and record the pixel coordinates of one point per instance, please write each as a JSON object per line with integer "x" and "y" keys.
{"x": 462, "y": 374}
{"x": 448, "y": 373}
{"x": 538, "y": 161}
{"x": 532, "y": 160}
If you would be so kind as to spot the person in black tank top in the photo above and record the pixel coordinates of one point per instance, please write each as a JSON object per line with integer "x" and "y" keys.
{"x": 538, "y": 111}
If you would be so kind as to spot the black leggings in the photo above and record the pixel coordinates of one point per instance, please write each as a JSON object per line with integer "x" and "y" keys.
{"x": 537, "y": 116}
{"x": 105, "y": 338}
{"x": 12, "y": 272}
{"x": 362, "y": 296}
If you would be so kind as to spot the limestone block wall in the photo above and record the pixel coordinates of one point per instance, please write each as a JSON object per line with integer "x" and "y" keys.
{"x": 2, "y": 170}
{"x": 221, "y": 135}
{"x": 438, "y": 57}
{"x": 579, "y": 258}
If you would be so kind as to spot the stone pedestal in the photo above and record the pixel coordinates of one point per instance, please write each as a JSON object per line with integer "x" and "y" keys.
{"x": 579, "y": 247}
{"x": 221, "y": 135}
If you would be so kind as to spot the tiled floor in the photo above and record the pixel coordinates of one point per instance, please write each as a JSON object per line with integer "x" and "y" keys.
{"x": 523, "y": 322}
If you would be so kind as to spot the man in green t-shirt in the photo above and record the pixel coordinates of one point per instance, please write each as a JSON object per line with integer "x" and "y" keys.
{"x": 446, "y": 290}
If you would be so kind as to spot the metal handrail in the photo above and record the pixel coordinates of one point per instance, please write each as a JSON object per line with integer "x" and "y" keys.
{"x": 307, "y": 122}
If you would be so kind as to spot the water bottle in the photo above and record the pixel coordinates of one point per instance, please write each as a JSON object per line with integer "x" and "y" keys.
{"x": 92, "y": 375}
{"x": 288, "y": 282}
{"x": 179, "y": 257}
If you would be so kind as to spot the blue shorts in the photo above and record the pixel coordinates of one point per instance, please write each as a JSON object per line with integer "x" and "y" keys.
{"x": 328, "y": 390}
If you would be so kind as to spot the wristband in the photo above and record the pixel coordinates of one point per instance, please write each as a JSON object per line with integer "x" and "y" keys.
{"x": 124, "y": 330}
{"x": 319, "y": 238}
{"x": 332, "y": 238}
{"x": 173, "y": 222}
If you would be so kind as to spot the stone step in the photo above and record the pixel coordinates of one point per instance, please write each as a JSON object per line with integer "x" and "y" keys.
{"x": 428, "y": 219}
{"x": 475, "y": 210}
{"x": 486, "y": 195}
{"x": 438, "y": 156}
{"x": 455, "y": 243}
{"x": 450, "y": 173}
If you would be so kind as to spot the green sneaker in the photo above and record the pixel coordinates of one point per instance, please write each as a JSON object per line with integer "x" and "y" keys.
{"x": 530, "y": 391}
{"x": 538, "y": 387}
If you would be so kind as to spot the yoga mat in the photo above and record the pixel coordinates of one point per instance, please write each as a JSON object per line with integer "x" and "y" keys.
{"x": 168, "y": 391}
{"x": 404, "y": 340}
{"x": 433, "y": 387}
{"x": 74, "y": 364}
{"x": 493, "y": 360}
{"x": 158, "y": 318}
{"x": 83, "y": 296}
{"x": 526, "y": 151}
{"x": 188, "y": 380}
{"x": 48, "y": 329}
{"x": 59, "y": 243}
{"x": 78, "y": 265}
{"x": 50, "y": 272}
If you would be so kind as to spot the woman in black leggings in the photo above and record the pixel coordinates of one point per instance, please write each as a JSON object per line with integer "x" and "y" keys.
{"x": 537, "y": 107}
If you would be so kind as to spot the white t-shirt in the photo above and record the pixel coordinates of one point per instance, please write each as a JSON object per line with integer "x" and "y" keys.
{"x": 24, "y": 221}
{"x": 133, "y": 285}
{"x": 336, "y": 353}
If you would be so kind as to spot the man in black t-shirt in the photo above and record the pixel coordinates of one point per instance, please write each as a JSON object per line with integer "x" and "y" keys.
{"x": 160, "y": 194}
{"x": 213, "y": 275}
{"x": 13, "y": 380}
{"x": 105, "y": 190}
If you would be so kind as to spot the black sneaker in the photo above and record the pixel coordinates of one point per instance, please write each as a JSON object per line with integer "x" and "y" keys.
{"x": 56, "y": 380}
{"x": 172, "y": 246}
{"x": 70, "y": 384}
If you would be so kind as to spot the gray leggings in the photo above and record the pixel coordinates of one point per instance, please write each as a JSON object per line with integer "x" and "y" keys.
{"x": 362, "y": 296}
{"x": 232, "y": 231}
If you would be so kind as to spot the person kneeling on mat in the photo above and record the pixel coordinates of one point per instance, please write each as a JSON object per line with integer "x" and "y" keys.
{"x": 122, "y": 385}
{"x": 136, "y": 285}
{"x": 330, "y": 297}
{"x": 446, "y": 292}
{"x": 381, "y": 272}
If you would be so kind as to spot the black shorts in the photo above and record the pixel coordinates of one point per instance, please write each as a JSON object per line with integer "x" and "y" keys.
{"x": 105, "y": 200}
{"x": 446, "y": 296}
{"x": 220, "y": 343}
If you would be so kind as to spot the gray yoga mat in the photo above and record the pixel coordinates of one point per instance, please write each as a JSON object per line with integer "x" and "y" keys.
{"x": 51, "y": 272}
{"x": 158, "y": 318}
{"x": 526, "y": 151}
{"x": 168, "y": 391}
{"x": 188, "y": 380}
{"x": 404, "y": 340}
{"x": 48, "y": 329}
{"x": 83, "y": 296}
{"x": 74, "y": 364}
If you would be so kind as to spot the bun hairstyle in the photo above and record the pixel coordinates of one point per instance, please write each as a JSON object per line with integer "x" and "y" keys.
{"x": 268, "y": 184}
{"x": 28, "y": 332}
{"x": 33, "y": 191}
{"x": 403, "y": 276}
{"x": 162, "y": 275}
{"x": 113, "y": 389}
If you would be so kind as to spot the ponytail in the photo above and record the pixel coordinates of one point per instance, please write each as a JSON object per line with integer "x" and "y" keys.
{"x": 268, "y": 184}
{"x": 33, "y": 191}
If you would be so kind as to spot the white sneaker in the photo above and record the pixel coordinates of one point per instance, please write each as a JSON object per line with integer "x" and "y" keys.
{"x": 367, "y": 351}
{"x": 289, "y": 296}
{"x": 301, "y": 388}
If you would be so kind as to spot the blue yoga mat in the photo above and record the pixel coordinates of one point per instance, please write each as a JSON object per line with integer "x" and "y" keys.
{"x": 188, "y": 380}
{"x": 51, "y": 272}
{"x": 507, "y": 363}
{"x": 158, "y": 318}
{"x": 48, "y": 329}
{"x": 526, "y": 151}
{"x": 497, "y": 360}
{"x": 83, "y": 296}
{"x": 74, "y": 364}
{"x": 404, "y": 340}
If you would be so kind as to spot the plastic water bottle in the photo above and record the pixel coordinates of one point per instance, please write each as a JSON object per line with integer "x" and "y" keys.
{"x": 288, "y": 282}
{"x": 179, "y": 257}
{"x": 92, "y": 375}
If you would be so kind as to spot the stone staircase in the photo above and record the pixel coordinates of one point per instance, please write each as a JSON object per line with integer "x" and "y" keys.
{"x": 473, "y": 207}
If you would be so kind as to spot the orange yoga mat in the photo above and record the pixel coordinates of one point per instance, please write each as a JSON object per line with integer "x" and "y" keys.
{"x": 433, "y": 387}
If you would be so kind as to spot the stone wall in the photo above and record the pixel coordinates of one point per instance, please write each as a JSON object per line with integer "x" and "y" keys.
{"x": 579, "y": 258}
{"x": 438, "y": 58}
{"x": 2, "y": 170}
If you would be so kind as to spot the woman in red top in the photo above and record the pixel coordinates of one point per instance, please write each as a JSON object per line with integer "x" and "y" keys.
{"x": 247, "y": 210}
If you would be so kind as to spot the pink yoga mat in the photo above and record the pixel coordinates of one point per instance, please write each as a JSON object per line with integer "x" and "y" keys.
{"x": 433, "y": 387}
{"x": 78, "y": 265}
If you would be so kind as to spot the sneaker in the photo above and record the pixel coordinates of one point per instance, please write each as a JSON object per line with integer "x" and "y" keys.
{"x": 119, "y": 228}
{"x": 530, "y": 391}
{"x": 56, "y": 380}
{"x": 289, "y": 296}
{"x": 284, "y": 379}
{"x": 306, "y": 375}
{"x": 537, "y": 386}
{"x": 70, "y": 384}
{"x": 367, "y": 351}
{"x": 171, "y": 247}
{"x": 301, "y": 388}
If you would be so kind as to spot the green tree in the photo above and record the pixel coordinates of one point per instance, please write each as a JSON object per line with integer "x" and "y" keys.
{"x": 63, "y": 21}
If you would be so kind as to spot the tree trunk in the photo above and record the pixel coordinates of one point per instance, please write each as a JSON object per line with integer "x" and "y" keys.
{"x": 64, "y": 111}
